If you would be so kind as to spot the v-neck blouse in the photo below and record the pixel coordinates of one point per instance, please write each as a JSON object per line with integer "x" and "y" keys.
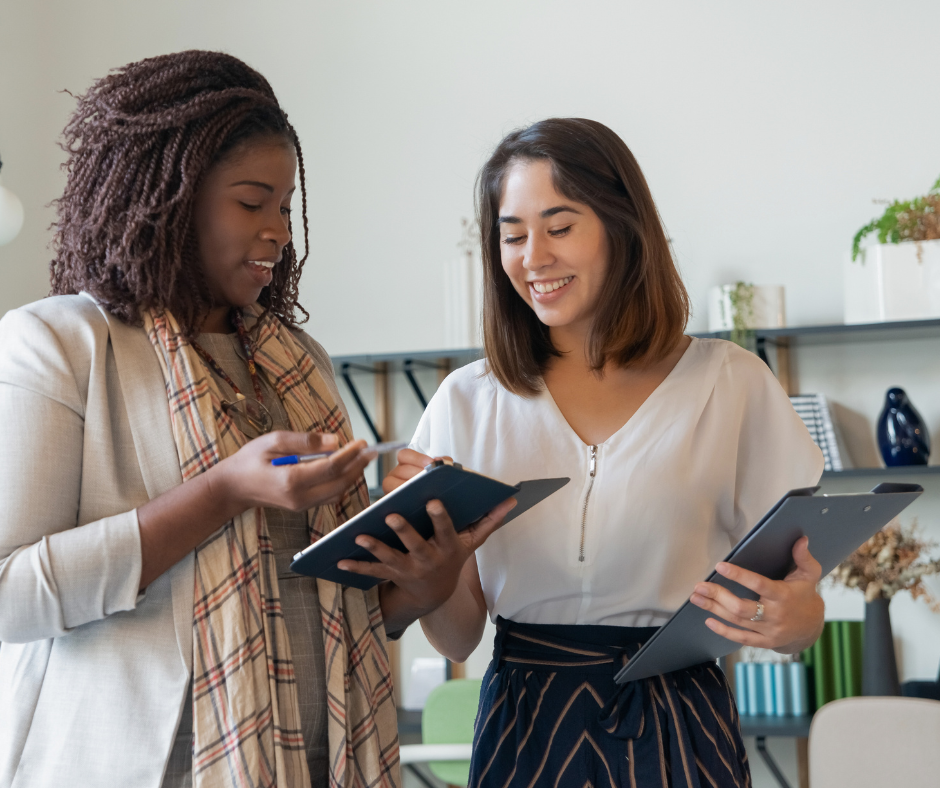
{"x": 692, "y": 471}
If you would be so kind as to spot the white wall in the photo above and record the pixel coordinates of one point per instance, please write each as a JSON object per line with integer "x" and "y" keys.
{"x": 765, "y": 131}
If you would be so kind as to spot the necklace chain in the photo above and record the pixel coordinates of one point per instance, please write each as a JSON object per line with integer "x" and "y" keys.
{"x": 238, "y": 322}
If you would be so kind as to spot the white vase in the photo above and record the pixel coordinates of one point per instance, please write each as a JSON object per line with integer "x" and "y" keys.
{"x": 11, "y": 215}
{"x": 768, "y": 309}
{"x": 893, "y": 282}
{"x": 463, "y": 302}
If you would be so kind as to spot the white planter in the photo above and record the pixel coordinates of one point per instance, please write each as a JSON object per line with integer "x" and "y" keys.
{"x": 11, "y": 215}
{"x": 889, "y": 282}
{"x": 768, "y": 309}
{"x": 463, "y": 302}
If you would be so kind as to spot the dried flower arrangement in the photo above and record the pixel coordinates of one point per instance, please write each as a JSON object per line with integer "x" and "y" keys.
{"x": 907, "y": 220}
{"x": 894, "y": 559}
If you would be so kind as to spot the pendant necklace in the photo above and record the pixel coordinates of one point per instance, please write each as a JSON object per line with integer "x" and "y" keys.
{"x": 249, "y": 415}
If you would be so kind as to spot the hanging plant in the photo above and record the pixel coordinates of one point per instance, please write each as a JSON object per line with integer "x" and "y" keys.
{"x": 908, "y": 220}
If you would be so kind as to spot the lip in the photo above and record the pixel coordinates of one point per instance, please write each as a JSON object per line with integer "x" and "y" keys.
{"x": 548, "y": 298}
{"x": 262, "y": 276}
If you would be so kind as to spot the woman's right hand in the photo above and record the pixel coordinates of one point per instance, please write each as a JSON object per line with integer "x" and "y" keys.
{"x": 174, "y": 523}
{"x": 248, "y": 479}
{"x": 410, "y": 464}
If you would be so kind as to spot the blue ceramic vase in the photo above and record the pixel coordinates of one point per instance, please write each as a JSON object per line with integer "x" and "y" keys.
{"x": 902, "y": 434}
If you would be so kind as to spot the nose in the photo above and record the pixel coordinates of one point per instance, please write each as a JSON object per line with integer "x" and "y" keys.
{"x": 537, "y": 254}
{"x": 277, "y": 232}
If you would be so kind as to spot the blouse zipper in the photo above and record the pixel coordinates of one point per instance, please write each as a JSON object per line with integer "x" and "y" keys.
{"x": 587, "y": 498}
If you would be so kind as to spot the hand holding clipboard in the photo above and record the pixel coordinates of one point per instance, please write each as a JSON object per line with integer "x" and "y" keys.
{"x": 835, "y": 524}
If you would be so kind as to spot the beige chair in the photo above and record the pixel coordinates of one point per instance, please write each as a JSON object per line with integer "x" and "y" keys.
{"x": 876, "y": 742}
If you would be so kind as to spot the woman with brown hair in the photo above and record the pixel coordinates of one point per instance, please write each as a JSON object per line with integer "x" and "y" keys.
{"x": 675, "y": 447}
{"x": 153, "y": 634}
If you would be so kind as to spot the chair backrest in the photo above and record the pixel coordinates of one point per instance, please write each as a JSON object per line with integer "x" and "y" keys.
{"x": 875, "y": 742}
{"x": 448, "y": 718}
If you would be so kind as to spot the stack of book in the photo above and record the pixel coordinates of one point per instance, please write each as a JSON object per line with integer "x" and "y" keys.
{"x": 834, "y": 662}
{"x": 814, "y": 410}
{"x": 774, "y": 689}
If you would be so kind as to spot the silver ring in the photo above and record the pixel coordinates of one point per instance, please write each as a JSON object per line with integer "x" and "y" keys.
{"x": 759, "y": 615}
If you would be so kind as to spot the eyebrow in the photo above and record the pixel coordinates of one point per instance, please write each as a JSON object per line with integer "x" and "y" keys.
{"x": 259, "y": 184}
{"x": 548, "y": 212}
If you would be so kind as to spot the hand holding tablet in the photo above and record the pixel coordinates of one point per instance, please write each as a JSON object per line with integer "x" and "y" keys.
{"x": 465, "y": 495}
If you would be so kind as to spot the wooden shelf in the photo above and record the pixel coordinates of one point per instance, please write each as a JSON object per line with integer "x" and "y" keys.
{"x": 834, "y": 334}
{"x": 776, "y": 726}
{"x": 842, "y": 334}
{"x": 894, "y": 472}
{"x": 426, "y": 356}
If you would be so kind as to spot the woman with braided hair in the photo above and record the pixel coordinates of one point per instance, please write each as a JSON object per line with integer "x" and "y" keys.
{"x": 152, "y": 632}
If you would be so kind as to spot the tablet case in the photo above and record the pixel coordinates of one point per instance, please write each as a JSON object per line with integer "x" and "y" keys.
{"x": 467, "y": 496}
{"x": 836, "y": 526}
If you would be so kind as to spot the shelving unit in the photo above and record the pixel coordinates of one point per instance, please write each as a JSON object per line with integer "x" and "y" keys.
{"x": 781, "y": 340}
{"x": 785, "y": 340}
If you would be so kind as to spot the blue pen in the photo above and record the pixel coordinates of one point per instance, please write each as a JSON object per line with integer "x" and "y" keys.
{"x": 378, "y": 448}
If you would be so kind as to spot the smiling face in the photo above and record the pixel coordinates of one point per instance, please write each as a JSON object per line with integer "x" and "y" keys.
{"x": 241, "y": 215}
{"x": 554, "y": 250}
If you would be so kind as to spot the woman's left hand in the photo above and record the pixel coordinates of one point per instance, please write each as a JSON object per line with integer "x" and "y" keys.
{"x": 789, "y": 612}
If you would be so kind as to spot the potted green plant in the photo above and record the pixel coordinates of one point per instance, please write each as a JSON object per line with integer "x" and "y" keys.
{"x": 897, "y": 278}
{"x": 741, "y": 307}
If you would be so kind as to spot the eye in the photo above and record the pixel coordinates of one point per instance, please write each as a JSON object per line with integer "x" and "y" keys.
{"x": 250, "y": 207}
{"x": 561, "y": 232}
{"x": 285, "y": 211}
{"x": 513, "y": 240}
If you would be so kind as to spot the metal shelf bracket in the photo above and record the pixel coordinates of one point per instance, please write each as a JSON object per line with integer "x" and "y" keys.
{"x": 345, "y": 370}
{"x": 408, "y": 369}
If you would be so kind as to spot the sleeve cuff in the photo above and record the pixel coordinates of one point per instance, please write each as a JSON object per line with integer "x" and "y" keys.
{"x": 97, "y": 568}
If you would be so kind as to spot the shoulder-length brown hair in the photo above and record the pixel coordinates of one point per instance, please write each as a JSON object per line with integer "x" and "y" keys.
{"x": 139, "y": 145}
{"x": 643, "y": 307}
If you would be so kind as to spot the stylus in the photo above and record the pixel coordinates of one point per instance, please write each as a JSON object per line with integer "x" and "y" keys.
{"x": 378, "y": 448}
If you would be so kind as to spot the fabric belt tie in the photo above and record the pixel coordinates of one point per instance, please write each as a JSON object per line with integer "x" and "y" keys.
{"x": 649, "y": 713}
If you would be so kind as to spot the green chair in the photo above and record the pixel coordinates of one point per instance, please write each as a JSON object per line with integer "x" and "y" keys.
{"x": 448, "y": 718}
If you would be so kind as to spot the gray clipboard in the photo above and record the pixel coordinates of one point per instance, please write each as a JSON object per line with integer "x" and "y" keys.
{"x": 835, "y": 524}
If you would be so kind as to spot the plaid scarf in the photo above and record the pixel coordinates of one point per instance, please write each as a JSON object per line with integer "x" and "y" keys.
{"x": 247, "y": 731}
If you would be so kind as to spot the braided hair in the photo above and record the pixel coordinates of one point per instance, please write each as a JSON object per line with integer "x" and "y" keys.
{"x": 139, "y": 144}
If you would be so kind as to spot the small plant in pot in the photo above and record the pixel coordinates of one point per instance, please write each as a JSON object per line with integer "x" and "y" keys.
{"x": 904, "y": 220}
{"x": 898, "y": 277}
{"x": 741, "y": 301}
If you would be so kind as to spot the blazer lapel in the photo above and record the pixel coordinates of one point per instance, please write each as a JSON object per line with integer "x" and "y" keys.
{"x": 149, "y": 416}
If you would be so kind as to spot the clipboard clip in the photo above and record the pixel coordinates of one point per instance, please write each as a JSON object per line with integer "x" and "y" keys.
{"x": 441, "y": 462}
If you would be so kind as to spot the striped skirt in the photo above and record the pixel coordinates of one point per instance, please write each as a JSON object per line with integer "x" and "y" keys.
{"x": 551, "y": 715}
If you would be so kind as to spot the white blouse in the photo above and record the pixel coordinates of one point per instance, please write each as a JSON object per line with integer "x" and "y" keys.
{"x": 648, "y": 512}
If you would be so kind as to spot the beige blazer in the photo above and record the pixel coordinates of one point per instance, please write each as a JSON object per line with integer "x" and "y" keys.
{"x": 93, "y": 675}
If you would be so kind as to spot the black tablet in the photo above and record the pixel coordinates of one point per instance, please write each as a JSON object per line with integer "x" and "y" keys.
{"x": 466, "y": 495}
